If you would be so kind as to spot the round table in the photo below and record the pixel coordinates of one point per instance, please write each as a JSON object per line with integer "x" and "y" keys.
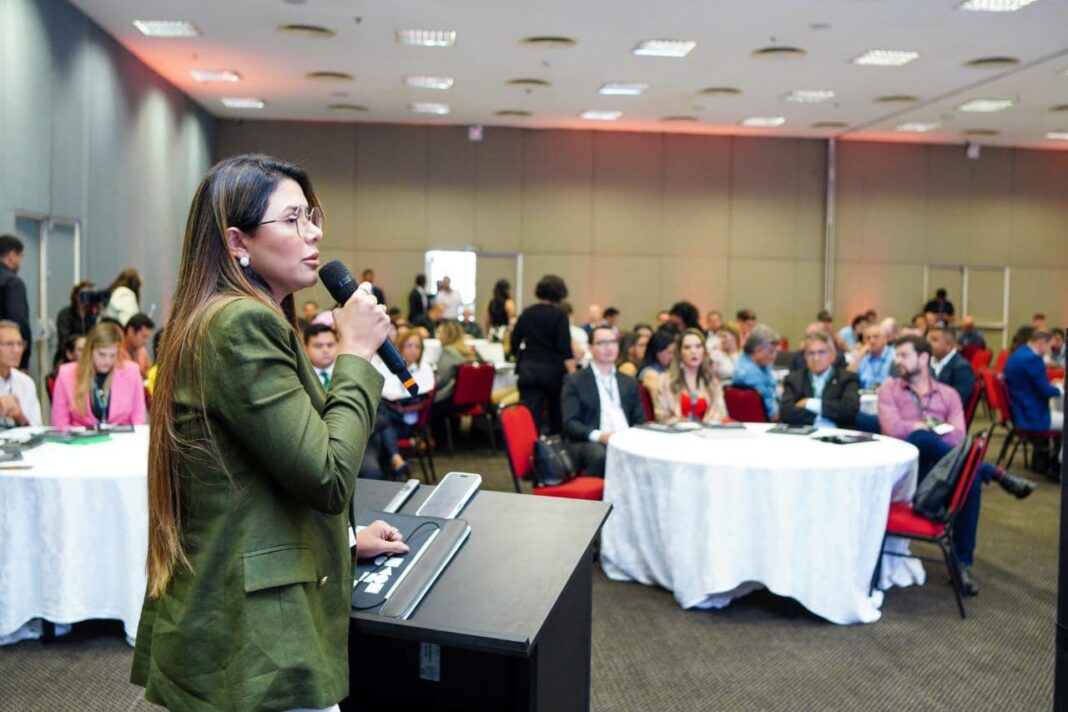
{"x": 869, "y": 403}
{"x": 74, "y": 533}
{"x": 715, "y": 514}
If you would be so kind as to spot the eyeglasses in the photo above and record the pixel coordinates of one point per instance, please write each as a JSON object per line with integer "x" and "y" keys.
{"x": 604, "y": 342}
{"x": 302, "y": 215}
{"x": 816, "y": 354}
{"x": 13, "y": 344}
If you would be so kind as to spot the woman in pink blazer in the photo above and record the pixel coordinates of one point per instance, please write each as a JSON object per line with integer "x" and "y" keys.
{"x": 99, "y": 387}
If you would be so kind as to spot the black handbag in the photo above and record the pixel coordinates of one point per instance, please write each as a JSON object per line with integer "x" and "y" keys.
{"x": 934, "y": 494}
{"x": 551, "y": 464}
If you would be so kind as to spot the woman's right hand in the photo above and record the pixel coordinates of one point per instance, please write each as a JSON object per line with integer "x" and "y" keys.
{"x": 362, "y": 324}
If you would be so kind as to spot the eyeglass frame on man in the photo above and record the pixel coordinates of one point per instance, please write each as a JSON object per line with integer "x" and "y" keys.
{"x": 303, "y": 211}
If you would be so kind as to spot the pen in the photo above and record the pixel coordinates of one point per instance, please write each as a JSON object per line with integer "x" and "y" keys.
{"x": 16, "y": 467}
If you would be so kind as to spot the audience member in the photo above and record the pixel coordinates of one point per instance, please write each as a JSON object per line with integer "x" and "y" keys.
{"x": 684, "y": 315}
{"x": 852, "y": 334}
{"x": 18, "y": 392}
{"x": 101, "y": 387}
{"x": 688, "y": 390}
{"x": 418, "y": 299}
{"x": 659, "y": 353}
{"x": 455, "y": 351}
{"x": 941, "y": 307}
{"x": 541, "y": 342}
{"x": 598, "y": 402}
{"x": 397, "y": 318}
{"x": 75, "y": 318}
{"x": 820, "y": 394}
{"x": 947, "y": 365}
{"x": 916, "y": 408}
{"x": 633, "y": 353}
{"x": 875, "y": 359}
{"x": 641, "y": 328}
{"x": 890, "y": 329}
{"x": 580, "y": 338}
{"x": 449, "y": 299}
{"x": 398, "y": 410}
{"x": 369, "y": 276}
{"x": 713, "y": 323}
{"x": 611, "y": 317}
{"x": 662, "y": 317}
{"x": 320, "y": 343}
{"x": 310, "y": 310}
{"x": 125, "y": 292}
{"x": 825, "y": 318}
{"x": 594, "y": 316}
{"x": 470, "y": 326}
{"x": 797, "y": 359}
{"x": 428, "y": 321}
{"x": 137, "y": 332}
{"x": 500, "y": 313}
{"x": 754, "y": 368}
{"x": 1055, "y": 357}
{"x": 1038, "y": 321}
{"x": 70, "y": 352}
{"x": 727, "y": 351}
{"x": 14, "y": 305}
{"x": 969, "y": 335}
{"x": 746, "y": 319}
{"x": 1029, "y": 386}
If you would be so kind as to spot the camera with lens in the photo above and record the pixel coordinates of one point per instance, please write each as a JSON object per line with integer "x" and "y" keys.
{"x": 94, "y": 298}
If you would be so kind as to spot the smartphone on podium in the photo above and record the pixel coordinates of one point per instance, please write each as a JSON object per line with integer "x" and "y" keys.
{"x": 448, "y": 498}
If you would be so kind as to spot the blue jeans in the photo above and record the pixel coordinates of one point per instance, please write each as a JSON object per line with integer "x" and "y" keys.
{"x": 932, "y": 449}
{"x": 866, "y": 423}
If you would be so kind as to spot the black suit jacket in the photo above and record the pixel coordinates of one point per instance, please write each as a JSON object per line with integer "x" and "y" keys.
{"x": 958, "y": 375}
{"x": 415, "y": 304}
{"x": 16, "y": 307}
{"x": 581, "y": 404}
{"x": 841, "y": 398}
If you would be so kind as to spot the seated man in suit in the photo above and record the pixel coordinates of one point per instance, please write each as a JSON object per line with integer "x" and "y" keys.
{"x": 597, "y": 402}
{"x": 948, "y": 366}
{"x": 820, "y": 394}
{"x": 797, "y": 360}
{"x": 1029, "y": 386}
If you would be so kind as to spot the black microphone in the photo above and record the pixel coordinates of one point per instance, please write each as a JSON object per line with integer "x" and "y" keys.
{"x": 342, "y": 285}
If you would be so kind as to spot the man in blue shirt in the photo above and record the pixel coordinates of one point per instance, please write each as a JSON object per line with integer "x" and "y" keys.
{"x": 754, "y": 367}
{"x": 875, "y": 360}
{"x": 1028, "y": 385}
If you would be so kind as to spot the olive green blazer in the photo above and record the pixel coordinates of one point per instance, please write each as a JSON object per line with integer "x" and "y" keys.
{"x": 262, "y": 620}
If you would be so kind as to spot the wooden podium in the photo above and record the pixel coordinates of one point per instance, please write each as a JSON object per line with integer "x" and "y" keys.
{"x": 506, "y": 627}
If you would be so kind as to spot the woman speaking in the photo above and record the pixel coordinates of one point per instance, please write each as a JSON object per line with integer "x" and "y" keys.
{"x": 251, "y": 465}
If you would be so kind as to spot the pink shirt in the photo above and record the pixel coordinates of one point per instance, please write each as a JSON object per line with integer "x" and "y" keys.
{"x": 900, "y": 408}
{"x": 125, "y": 407}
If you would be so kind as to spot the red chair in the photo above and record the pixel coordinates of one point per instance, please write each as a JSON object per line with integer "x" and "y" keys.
{"x": 744, "y": 405}
{"x": 999, "y": 365}
{"x": 1055, "y": 374}
{"x": 472, "y": 396}
{"x": 981, "y": 359}
{"x": 519, "y": 438}
{"x": 972, "y": 405}
{"x": 904, "y": 522}
{"x": 969, "y": 351}
{"x": 418, "y": 444}
{"x": 647, "y": 403}
{"x": 1018, "y": 436}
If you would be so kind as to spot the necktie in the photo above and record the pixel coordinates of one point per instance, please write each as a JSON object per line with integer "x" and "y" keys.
{"x": 326, "y": 378}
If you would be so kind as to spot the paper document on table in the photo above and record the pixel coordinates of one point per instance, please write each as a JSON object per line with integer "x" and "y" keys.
{"x": 726, "y": 433}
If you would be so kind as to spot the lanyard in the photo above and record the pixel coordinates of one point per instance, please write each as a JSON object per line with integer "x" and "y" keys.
{"x": 916, "y": 399}
{"x": 101, "y": 400}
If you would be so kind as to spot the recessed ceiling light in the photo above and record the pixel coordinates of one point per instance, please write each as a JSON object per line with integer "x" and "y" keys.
{"x": 809, "y": 96}
{"x": 545, "y": 42}
{"x": 512, "y": 112}
{"x": 679, "y": 118}
{"x": 1057, "y": 135}
{"x": 664, "y": 48}
{"x": 243, "y": 102}
{"x": 830, "y": 125}
{"x": 428, "y": 107}
{"x": 215, "y": 75}
{"x": 528, "y": 83}
{"x": 986, "y": 105}
{"x": 346, "y": 107}
{"x": 330, "y": 76}
{"x": 779, "y": 53}
{"x": 423, "y": 81}
{"x": 720, "y": 91}
{"x": 981, "y": 132}
{"x": 600, "y": 115}
{"x": 918, "y": 126}
{"x": 166, "y": 28}
{"x": 312, "y": 31}
{"x": 994, "y": 5}
{"x": 896, "y": 99}
{"x": 427, "y": 38}
{"x": 763, "y": 122}
{"x": 622, "y": 89}
{"x": 992, "y": 62}
{"x": 885, "y": 57}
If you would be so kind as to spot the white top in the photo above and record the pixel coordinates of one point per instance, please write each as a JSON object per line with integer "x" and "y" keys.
{"x": 938, "y": 364}
{"x": 613, "y": 419}
{"x": 122, "y": 305}
{"x": 329, "y": 371}
{"x": 582, "y": 340}
{"x": 450, "y": 301}
{"x": 22, "y": 387}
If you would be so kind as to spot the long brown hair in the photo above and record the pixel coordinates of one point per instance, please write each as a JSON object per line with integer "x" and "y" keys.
{"x": 704, "y": 371}
{"x": 452, "y": 334}
{"x": 234, "y": 193}
{"x": 103, "y": 335}
{"x": 129, "y": 278}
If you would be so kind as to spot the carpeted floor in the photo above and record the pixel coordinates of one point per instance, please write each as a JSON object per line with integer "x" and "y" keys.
{"x": 761, "y": 653}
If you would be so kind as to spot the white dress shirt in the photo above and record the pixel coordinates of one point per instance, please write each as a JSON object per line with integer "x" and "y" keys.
{"x": 22, "y": 387}
{"x": 613, "y": 419}
{"x": 938, "y": 364}
{"x": 814, "y": 404}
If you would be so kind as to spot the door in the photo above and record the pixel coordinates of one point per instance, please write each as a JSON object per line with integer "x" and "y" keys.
{"x": 31, "y": 231}
{"x": 61, "y": 273}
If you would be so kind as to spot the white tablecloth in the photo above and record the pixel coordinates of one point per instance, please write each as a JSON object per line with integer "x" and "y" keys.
{"x": 713, "y": 518}
{"x": 74, "y": 533}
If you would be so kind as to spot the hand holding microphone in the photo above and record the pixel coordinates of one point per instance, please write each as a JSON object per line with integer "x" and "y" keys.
{"x": 362, "y": 325}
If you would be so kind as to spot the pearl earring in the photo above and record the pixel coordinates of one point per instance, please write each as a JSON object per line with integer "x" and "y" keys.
{"x": 243, "y": 261}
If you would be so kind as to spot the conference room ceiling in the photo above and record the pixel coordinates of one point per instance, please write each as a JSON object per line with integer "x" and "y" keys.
{"x": 242, "y": 36}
